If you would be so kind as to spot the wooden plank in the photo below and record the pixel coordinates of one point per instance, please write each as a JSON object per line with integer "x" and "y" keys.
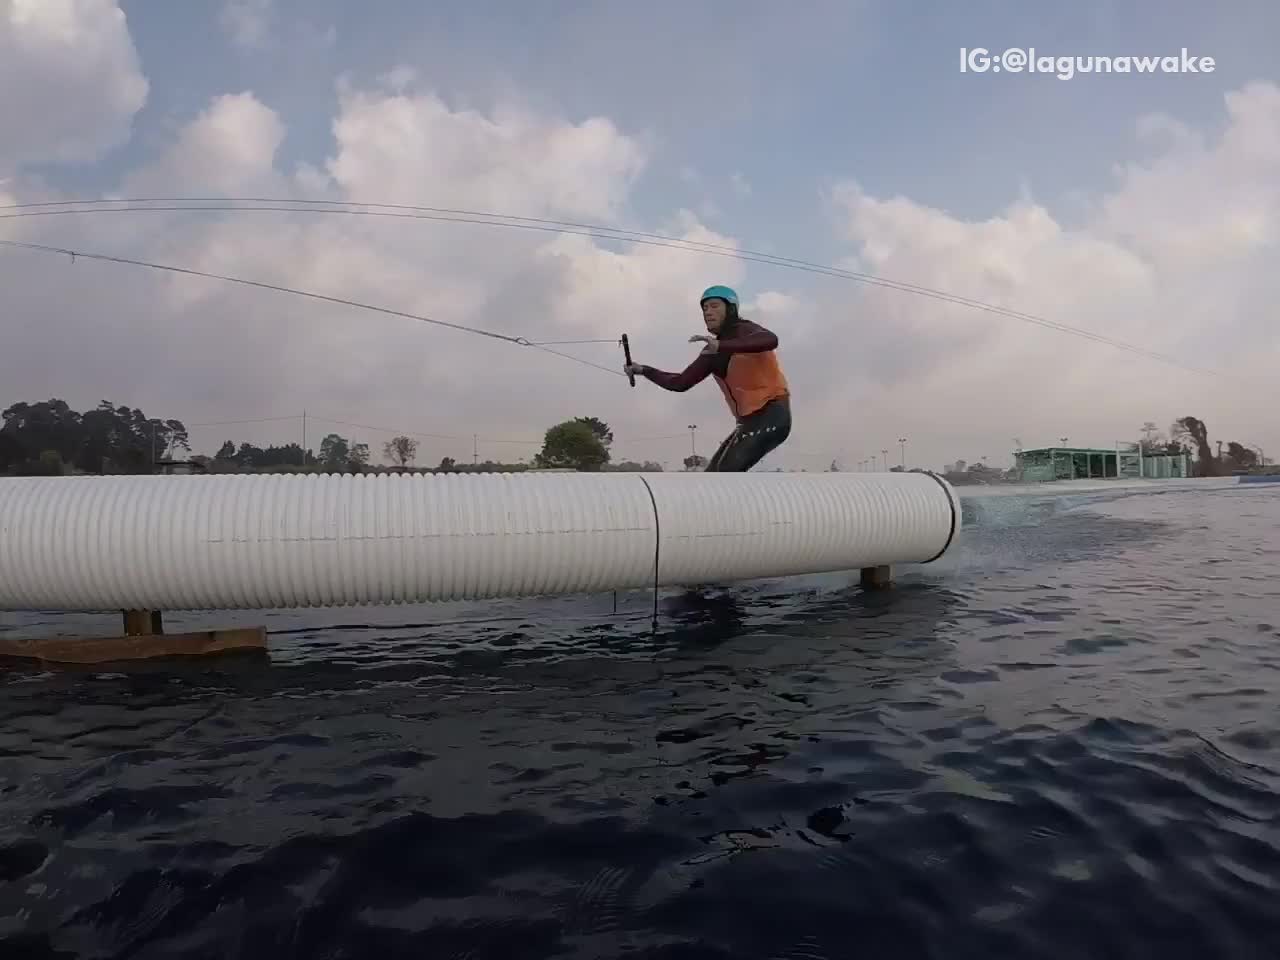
{"x": 142, "y": 647}
{"x": 139, "y": 623}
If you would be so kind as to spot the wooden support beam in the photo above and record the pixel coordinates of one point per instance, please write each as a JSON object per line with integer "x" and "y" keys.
{"x": 142, "y": 623}
{"x": 135, "y": 646}
{"x": 877, "y": 578}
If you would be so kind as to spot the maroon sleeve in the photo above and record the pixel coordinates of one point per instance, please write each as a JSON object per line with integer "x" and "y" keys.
{"x": 695, "y": 372}
{"x": 751, "y": 338}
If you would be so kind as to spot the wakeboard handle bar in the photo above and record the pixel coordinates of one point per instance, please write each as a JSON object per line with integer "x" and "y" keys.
{"x": 626, "y": 352}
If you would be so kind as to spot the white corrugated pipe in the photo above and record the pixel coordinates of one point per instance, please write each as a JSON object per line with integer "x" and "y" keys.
{"x": 263, "y": 541}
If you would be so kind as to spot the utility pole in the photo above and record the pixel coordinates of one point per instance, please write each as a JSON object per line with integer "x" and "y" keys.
{"x": 304, "y": 438}
{"x": 884, "y": 457}
{"x": 693, "y": 444}
{"x": 153, "y": 446}
{"x": 902, "y": 448}
{"x": 475, "y": 449}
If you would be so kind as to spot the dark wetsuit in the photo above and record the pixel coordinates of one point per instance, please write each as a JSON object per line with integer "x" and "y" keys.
{"x": 753, "y": 438}
{"x": 746, "y": 370}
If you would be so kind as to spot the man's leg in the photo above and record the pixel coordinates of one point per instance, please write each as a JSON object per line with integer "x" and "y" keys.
{"x": 753, "y": 439}
{"x": 713, "y": 465}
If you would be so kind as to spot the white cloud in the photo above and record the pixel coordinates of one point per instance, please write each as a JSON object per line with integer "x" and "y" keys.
{"x": 228, "y": 149}
{"x": 70, "y": 81}
{"x": 511, "y": 161}
{"x": 1175, "y": 259}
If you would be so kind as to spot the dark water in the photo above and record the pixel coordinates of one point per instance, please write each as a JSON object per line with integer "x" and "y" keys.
{"x": 1063, "y": 741}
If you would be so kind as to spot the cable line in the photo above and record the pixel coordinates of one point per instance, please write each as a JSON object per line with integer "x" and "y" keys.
{"x": 455, "y": 215}
{"x": 84, "y": 254}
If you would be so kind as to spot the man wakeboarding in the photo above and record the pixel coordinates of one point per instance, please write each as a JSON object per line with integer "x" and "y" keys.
{"x": 742, "y": 357}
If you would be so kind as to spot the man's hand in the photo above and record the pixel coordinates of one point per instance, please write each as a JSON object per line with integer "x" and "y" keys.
{"x": 633, "y": 369}
{"x": 711, "y": 344}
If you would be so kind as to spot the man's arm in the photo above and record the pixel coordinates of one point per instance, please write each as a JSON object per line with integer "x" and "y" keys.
{"x": 751, "y": 338}
{"x": 694, "y": 373}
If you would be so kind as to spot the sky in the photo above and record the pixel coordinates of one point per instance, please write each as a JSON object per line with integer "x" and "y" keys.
{"x": 1140, "y": 207}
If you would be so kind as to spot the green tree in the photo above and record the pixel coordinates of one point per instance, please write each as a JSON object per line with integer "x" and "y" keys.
{"x": 252, "y": 457}
{"x": 1240, "y": 457}
{"x": 574, "y": 444}
{"x": 289, "y": 455}
{"x": 48, "y": 464}
{"x": 1192, "y": 433}
{"x": 599, "y": 428}
{"x": 105, "y": 438}
{"x": 335, "y": 451}
{"x": 401, "y": 450}
{"x": 695, "y": 461}
{"x": 37, "y": 427}
{"x": 227, "y": 451}
{"x": 11, "y": 450}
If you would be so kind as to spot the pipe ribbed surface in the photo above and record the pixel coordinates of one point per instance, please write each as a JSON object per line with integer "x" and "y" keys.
{"x": 740, "y": 526}
{"x": 246, "y": 541}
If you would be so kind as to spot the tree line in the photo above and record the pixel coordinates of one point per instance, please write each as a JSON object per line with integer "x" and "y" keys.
{"x": 49, "y": 438}
{"x": 1190, "y": 435}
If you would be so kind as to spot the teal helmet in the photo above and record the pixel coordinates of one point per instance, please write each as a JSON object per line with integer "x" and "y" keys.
{"x": 726, "y": 294}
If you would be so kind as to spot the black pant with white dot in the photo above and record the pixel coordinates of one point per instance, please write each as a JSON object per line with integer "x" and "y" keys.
{"x": 754, "y": 437}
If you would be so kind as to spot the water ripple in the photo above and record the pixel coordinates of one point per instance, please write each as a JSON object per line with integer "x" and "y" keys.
{"x": 1059, "y": 742}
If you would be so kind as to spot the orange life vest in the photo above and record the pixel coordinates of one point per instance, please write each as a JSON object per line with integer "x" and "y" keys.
{"x": 751, "y": 380}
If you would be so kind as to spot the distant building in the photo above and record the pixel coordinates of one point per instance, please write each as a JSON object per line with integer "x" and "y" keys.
{"x": 1097, "y": 463}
